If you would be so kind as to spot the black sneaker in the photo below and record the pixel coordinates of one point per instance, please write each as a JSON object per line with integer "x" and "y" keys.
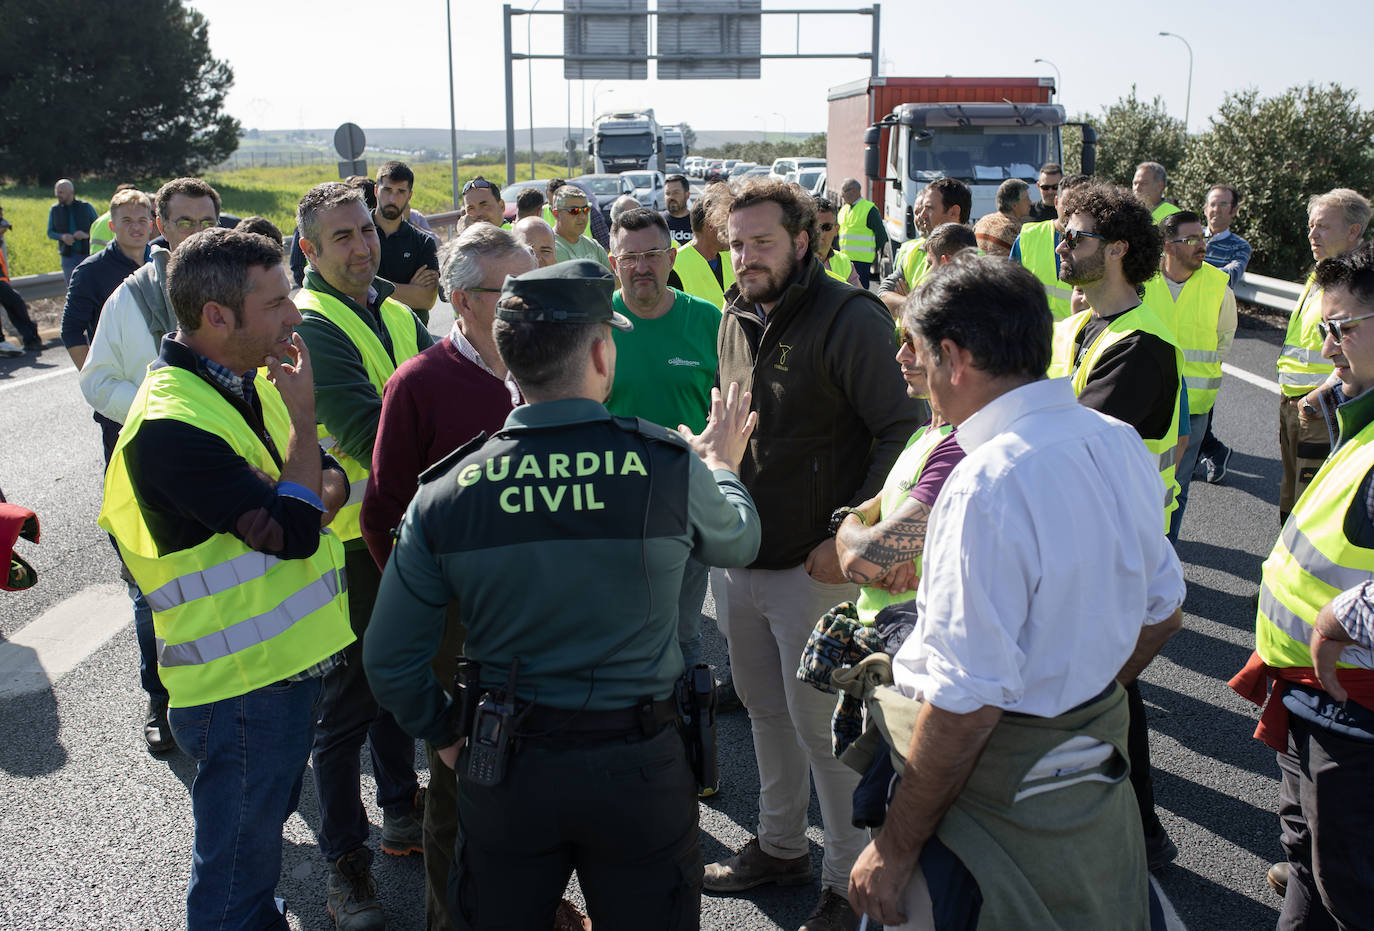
{"x": 1216, "y": 466}
{"x": 33, "y": 345}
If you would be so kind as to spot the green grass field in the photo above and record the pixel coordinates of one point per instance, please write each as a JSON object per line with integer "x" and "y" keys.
{"x": 269, "y": 192}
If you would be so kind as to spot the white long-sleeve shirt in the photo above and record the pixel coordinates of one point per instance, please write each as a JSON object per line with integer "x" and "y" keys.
{"x": 121, "y": 350}
{"x": 1044, "y": 559}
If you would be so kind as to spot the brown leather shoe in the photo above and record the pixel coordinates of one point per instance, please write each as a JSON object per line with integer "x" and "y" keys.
{"x": 832, "y": 913}
{"x": 752, "y": 867}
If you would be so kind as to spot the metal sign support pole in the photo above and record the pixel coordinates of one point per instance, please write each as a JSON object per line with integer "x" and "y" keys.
{"x": 510, "y": 102}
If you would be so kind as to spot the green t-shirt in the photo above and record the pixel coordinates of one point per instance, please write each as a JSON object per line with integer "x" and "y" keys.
{"x": 584, "y": 248}
{"x": 664, "y": 368}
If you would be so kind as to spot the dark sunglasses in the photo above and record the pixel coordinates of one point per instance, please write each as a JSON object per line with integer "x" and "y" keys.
{"x": 1335, "y": 329}
{"x": 1074, "y": 237}
{"x": 1049, "y": 187}
{"x": 906, "y": 338}
{"x": 480, "y": 184}
{"x": 576, "y": 210}
{"x": 827, "y": 227}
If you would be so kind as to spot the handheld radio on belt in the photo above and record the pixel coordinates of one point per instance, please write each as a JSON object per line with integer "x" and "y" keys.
{"x": 696, "y": 694}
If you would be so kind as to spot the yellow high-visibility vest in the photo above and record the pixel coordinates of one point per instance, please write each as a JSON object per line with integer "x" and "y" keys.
{"x": 1313, "y": 560}
{"x": 838, "y": 266}
{"x": 400, "y": 324}
{"x": 856, "y": 239}
{"x": 1301, "y": 366}
{"x": 697, "y": 278}
{"x": 1193, "y": 320}
{"x": 1037, "y": 256}
{"x": 227, "y": 618}
{"x": 1139, "y": 319}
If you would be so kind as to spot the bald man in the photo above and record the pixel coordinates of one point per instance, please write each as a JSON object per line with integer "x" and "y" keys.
{"x": 537, "y": 236}
{"x": 69, "y": 222}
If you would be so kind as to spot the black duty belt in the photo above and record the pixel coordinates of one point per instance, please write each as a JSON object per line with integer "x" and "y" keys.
{"x": 541, "y": 723}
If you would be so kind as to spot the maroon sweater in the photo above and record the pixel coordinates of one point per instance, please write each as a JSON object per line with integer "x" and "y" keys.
{"x": 435, "y": 403}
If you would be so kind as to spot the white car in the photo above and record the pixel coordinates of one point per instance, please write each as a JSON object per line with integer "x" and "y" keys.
{"x": 648, "y": 187}
{"x": 781, "y": 166}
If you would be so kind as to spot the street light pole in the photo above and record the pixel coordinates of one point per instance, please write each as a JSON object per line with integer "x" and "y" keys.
{"x": 1058, "y": 78}
{"x": 452, "y": 108}
{"x": 1188, "y": 104}
{"x": 530, "y": 80}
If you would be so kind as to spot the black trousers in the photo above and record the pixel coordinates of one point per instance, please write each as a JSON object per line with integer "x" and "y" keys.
{"x": 1325, "y": 810}
{"x": 624, "y": 815}
{"x": 18, "y": 312}
{"x": 1138, "y": 747}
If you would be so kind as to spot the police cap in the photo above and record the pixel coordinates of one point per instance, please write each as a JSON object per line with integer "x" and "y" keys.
{"x": 578, "y": 291}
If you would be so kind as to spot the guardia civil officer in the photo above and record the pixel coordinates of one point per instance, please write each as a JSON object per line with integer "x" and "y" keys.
{"x": 563, "y": 540}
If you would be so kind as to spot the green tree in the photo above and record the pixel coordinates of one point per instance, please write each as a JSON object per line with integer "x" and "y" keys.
{"x": 115, "y": 90}
{"x": 1278, "y": 151}
{"x": 689, "y": 138}
{"x": 1131, "y": 131}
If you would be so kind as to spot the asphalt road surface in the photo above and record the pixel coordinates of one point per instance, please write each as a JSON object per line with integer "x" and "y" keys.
{"x": 97, "y": 833}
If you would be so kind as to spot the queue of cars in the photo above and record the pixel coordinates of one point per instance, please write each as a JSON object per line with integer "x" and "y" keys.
{"x": 808, "y": 172}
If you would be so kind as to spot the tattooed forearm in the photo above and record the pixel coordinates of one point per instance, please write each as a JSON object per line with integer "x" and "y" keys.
{"x": 867, "y": 553}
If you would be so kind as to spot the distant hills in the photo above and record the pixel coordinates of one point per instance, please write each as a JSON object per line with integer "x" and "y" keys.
{"x": 434, "y": 143}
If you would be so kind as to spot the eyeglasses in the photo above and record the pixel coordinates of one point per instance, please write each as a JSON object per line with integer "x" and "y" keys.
{"x": 482, "y": 290}
{"x": 906, "y": 337}
{"x": 1048, "y": 187}
{"x": 1074, "y": 237}
{"x": 575, "y": 210}
{"x": 827, "y": 227}
{"x": 479, "y": 183}
{"x": 1190, "y": 240}
{"x": 653, "y": 256}
{"x": 186, "y": 223}
{"x": 1335, "y": 329}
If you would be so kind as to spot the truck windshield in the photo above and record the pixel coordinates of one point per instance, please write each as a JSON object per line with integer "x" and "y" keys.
{"x": 978, "y": 153}
{"x": 616, "y": 146}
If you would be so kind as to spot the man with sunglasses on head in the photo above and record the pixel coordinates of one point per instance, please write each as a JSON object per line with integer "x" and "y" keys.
{"x": 571, "y": 215}
{"x": 1123, "y": 361}
{"x": 482, "y": 201}
{"x": 1048, "y": 185}
{"x": 410, "y": 256}
{"x": 1316, "y": 610}
{"x": 126, "y": 340}
{"x": 1196, "y": 300}
{"x": 357, "y": 335}
{"x": 1336, "y": 223}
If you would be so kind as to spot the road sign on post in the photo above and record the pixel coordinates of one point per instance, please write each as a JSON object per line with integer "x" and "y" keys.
{"x": 718, "y": 39}
{"x": 605, "y": 39}
{"x": 349, "y": 142}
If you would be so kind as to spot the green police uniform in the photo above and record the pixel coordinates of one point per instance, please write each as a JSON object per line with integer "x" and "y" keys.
{"x": 563, "y": 540}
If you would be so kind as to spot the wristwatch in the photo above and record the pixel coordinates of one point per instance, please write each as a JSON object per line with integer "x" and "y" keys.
{"x": 838, "y": 515}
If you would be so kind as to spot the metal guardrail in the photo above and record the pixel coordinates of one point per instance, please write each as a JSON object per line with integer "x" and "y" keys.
{"x": 1274, "y": 293}
{"x": 33, "y": 287}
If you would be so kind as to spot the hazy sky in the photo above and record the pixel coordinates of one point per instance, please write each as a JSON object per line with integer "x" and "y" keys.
{"x": 290, "y": 59}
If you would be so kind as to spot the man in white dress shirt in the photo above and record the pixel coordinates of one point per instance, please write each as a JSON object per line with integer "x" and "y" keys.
{"x": 1047, "y": 582}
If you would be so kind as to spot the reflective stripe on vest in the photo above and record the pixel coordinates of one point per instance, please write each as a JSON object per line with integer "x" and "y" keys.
{"x": 697, "y": 278}
{"x": 1193, "y": 319}
{"x": 1313, "y": 560}
{"x": 1300, "y": 365}
{"x": 227, "y": 619}
{"x": 1037, "y": 256}
{"x": 400, "y": 323}
{"x": 856, "y": 239}
{"x": 1140, "y": 319}
{"x": 906, "y": 471}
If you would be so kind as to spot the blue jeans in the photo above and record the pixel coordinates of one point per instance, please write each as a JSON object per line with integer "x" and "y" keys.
{"x": 350, "y": 716}
{"x": 69, "y": 263}
{"x": 147, "y": 644}
{"x": 1184, "y": 471}
{"x": 689, "y": 602}
{"x": 250, "y": 755}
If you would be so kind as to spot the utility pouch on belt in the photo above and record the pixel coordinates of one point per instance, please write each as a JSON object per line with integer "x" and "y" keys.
{"x": 696, "y": 692}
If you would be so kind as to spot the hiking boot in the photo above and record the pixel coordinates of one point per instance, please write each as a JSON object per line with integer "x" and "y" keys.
{"x": 752, "y": 867}
{"x": 405, "y": 834}
{"x": 1277, "y": 877}
{"x": 832, "y": 913}
{"x": 351, "y": 893}
{"x": 157, "y": 732}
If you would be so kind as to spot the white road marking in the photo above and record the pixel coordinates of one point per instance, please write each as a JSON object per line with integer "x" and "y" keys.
{"x": 1256, "y": 380}
{"x": 11, "y": 385}
{"x": 55, "y": 642}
